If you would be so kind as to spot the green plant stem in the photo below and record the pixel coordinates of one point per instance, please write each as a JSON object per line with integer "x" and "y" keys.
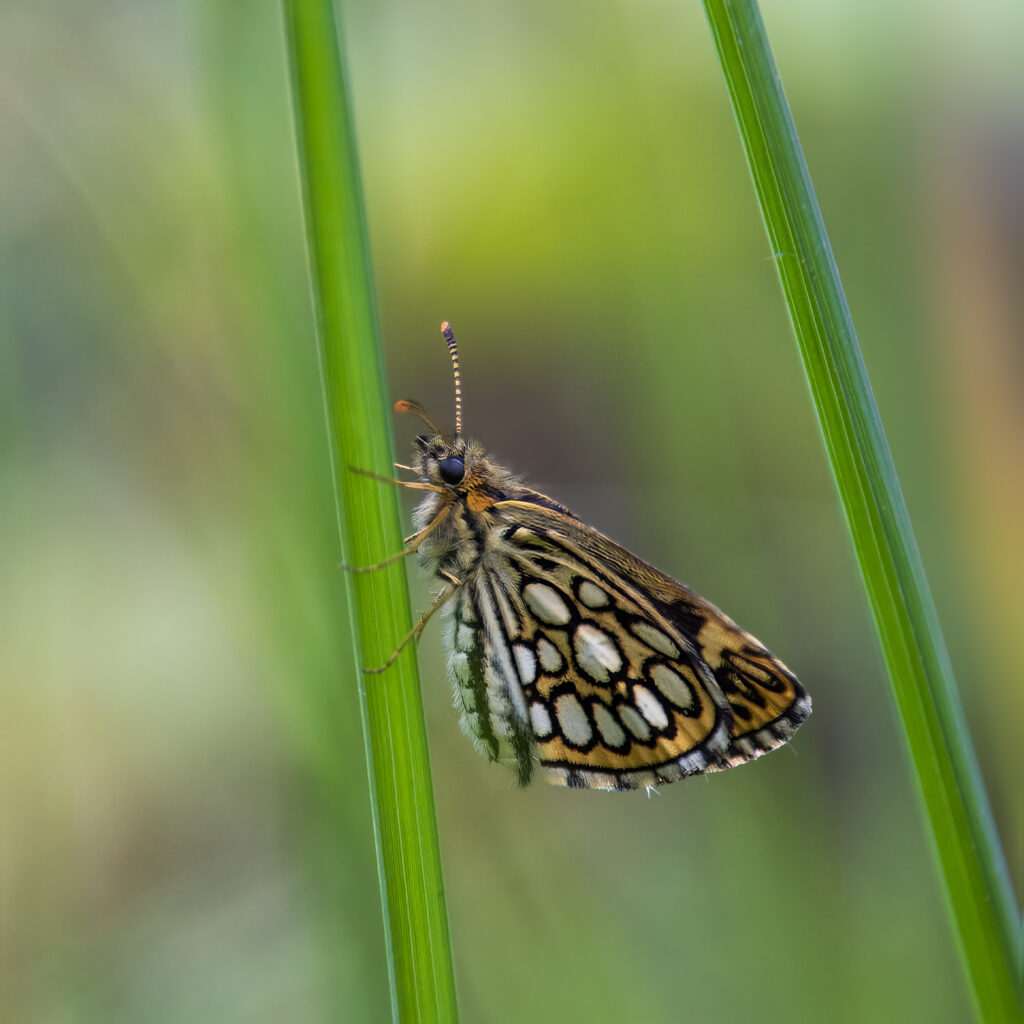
{"x": 970, "y": 859}
{"x": 359, "y": 432}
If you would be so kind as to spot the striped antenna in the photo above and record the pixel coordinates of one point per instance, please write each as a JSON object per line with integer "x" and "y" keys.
{"x": 453, "y": 351}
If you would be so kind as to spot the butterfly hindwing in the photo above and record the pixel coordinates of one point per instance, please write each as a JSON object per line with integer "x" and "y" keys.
{"x": 608, "y": 694}
{"x": 615, "y": 701}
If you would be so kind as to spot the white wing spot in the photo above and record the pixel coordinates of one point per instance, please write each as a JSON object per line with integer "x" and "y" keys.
{"x": 546, "y": 603}
{"x": 458, "y": 665}
{"x": 550, "y": 658}
{"x": 690, "y": 764}
{"x": 650, "y": 707}
{"x": 611, "y": 732}
{"x": 654, "y": 638}
{"x": 540, "y": 719}
{"x": 635, "y": 722}
{"x": 672, "y": 686}
{"x": 465, "y": 638}
{"x": 592, "y": 595}
{"x": 526, "y": 663}
{"x": 573, "y": 720}
{"x": 596, "y": 652}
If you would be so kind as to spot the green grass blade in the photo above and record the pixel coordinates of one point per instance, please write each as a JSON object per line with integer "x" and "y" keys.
{"x": 969, "y": 856}
{"x": 359, "y": 430}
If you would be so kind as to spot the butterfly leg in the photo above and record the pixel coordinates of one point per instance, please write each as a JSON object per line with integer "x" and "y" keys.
{"x": 411, "y": 545}
{"x": 414, "y": 633}
{"x": 410, "y": 484}
{"x": 390, "y": 560}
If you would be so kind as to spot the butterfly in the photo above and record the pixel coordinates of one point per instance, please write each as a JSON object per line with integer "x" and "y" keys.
{"x": 568, "y": 653}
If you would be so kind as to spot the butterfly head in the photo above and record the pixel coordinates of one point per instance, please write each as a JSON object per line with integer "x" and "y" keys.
{"x": 440, "y": 458}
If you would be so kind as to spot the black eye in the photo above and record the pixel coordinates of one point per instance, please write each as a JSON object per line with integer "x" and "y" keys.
{"x": 422, "y": 440}
{"x": 452, "y": 469}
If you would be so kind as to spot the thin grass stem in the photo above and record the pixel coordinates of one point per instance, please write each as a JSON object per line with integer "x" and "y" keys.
{"x": 359, "y": 432}
{"x": 970, "y": 859}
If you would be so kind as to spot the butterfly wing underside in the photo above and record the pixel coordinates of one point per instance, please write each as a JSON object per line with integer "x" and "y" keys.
{"x": 571, "y": 653}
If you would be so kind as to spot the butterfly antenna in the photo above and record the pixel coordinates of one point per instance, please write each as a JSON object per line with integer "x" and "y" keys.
{"x": 453, "y": 351}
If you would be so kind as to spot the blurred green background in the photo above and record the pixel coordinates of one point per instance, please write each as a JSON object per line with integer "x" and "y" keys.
{"x": 184, "y": 822}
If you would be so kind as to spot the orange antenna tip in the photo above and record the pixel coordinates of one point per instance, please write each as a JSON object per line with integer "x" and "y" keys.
{"x": 445, "y": 326}
{"x": 408, "y": 405}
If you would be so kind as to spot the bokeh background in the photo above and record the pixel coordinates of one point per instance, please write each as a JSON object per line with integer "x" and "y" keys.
{"x": 184, "y": 823}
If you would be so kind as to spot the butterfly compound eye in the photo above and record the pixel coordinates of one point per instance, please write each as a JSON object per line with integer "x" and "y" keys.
{"x": 451, "y": 469}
